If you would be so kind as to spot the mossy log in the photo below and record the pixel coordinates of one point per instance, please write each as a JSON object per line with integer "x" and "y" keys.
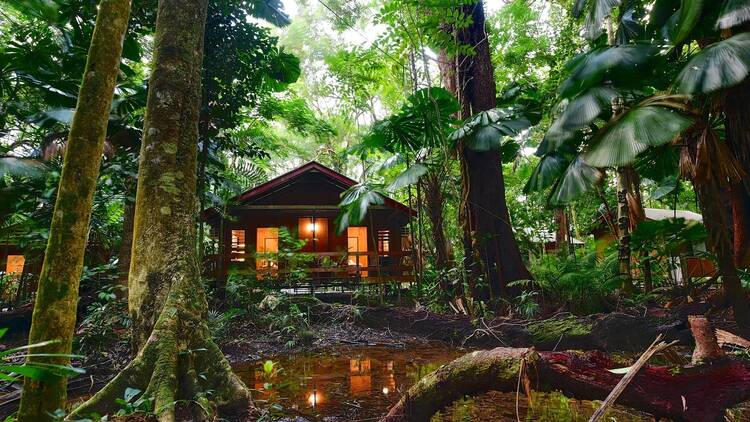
{"x": 177, "y": 361}
{"x": 679, "y": 395}
{"x": 54, "y": 313}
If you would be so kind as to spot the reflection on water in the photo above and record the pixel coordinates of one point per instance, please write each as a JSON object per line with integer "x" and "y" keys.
{"x": 358, "y": 384}
{"x": 362, "y": 384}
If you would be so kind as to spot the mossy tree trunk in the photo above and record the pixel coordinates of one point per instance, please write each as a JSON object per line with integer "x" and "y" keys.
{"x": 177, "y": 361}
{"x": 57, "y": 296}
{"x": 660, "y": 390}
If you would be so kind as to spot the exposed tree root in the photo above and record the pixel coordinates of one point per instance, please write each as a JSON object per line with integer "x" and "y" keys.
{"x": 678, "y": 395}
{"x": 178, "y": 364}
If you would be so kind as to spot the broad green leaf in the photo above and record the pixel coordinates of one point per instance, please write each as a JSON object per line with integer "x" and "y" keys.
{"x": 734, "y": 13}
{"x": 410, "y": 176}
{"x": 720, "y": 65}
{"x": 619, "y": 142}
{"x": 591, "y": 68}
{"x": 598, "y": 10}
{"x": 130, "y": 394}
{"x": 582, "y": 111}
{"x": 26, "y": 167}
{"x": 271, "y": 11}
{"x": 666, "y": 187}
{"x": 687, "y": 17}
{"x": 548, "y": 170}
{"x": 577, "y": 179}
{"x": 268, "y": 366}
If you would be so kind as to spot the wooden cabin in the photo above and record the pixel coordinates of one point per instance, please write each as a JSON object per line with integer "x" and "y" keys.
{"x": 303, "y": 203}
{"x": 688, "y": 265}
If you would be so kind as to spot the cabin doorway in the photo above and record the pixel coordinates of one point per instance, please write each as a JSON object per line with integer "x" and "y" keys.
{"x": 267, "y": 248}
{"x": 357, "y": 248}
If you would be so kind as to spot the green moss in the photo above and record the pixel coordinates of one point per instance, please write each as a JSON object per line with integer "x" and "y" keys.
{"x": 551, "y": 330}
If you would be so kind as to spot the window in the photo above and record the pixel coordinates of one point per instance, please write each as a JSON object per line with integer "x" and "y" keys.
{"x": 238, "y": 246}
{"x": 357, "y": 248}
{"x": 267, "y": 241}
{"x": 384, "y": 242}
{"x": 15, "y": 264}
{"x": 315, "y": 231}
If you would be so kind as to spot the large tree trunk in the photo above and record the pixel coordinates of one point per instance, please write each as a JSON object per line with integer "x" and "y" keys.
{"x": 720, "y": 244}
{"x": 57, "y": 296}
{"x": 177, "y": 360}
{"x": 680, "y": 396}
{"x": 737, "y": 111}
{"x": 486, "y": 219}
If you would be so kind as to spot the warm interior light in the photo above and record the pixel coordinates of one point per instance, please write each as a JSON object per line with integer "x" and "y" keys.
{"x": 386, "y": 390}
{"x": 314, "y": 398}
{"x": 312, "y": 227}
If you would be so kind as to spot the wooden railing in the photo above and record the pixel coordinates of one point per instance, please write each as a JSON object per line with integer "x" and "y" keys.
{"x": 324, "y": 265}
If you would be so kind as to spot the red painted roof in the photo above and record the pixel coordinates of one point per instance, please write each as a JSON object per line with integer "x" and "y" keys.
{"x": 288, "y": 177}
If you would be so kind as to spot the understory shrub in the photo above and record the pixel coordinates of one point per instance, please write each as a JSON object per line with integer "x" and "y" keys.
{"x": 582, "y": 284}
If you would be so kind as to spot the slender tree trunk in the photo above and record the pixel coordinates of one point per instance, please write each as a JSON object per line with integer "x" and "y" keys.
{"x": 434, "y": 199}
{"x": 486, "y": 218}
{"x": 177, "y": 361}
{"x": 562, "y": 235}
{"x": 737, "y": 123}
{"x": 623, "y": 232}
{"x": 126, "y": 245}
{"x": 57, "y": 296}
{"x": 719, "y": 243}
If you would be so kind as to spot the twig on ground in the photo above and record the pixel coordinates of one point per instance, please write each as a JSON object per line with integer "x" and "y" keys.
{"x": 655, "y": 347}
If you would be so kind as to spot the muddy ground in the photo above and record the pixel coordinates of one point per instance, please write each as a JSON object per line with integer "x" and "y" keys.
{"x": 265, "y": 333}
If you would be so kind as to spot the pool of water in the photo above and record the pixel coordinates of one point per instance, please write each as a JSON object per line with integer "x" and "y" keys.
{"x": 360, "y": 384}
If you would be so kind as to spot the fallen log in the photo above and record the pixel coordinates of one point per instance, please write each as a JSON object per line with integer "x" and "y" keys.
{"x": 696, "y": 393}
{"x": 616, "y": 331}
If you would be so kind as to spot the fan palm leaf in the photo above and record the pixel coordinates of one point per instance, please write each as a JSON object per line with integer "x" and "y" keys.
{"x": 734, "y": 13}
{"x": 549, "y": 169}
{"x": 593, "y": 67}
{"x": 620, "y": 141}
{"x": 578, "y": 178}
{"x": 717, "y": 66}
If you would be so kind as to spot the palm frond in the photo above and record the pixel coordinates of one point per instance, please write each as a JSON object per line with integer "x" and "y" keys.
{"x": 578, "y": 178}
{"x": 687, "y": 16}
{"x": 734, "y": 13}
{"x": 549, "y": 169}
{"x": 623, "y": 138}
{"x": 591, "y": 68}
{"x": 717, "y": 66}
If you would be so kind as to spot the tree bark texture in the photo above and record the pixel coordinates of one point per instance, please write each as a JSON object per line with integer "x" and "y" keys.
{"x": 486, "y": 220}
{"x": 680, "y": 396}
{"x": 166, "y": 194}
{"x": 719, "y": 243}
{"x": 57, "y": 295}
{"x": 126, "y": 244}
{"x": 177, "y": 362}
{"x": 737, "y": 112}
{"x": 434, "y": 199}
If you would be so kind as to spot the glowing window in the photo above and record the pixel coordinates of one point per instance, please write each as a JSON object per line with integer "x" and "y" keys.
{"x": 15, "y": 264}
{"x": 238, "y": 246}
{"x": 384, "y": 242}
{"x": 267, "y": 241}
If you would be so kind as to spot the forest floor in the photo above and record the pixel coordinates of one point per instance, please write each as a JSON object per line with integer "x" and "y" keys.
{"x": 306, "y": 325}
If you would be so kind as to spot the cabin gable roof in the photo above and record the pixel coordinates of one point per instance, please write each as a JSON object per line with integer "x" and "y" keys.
{"x": 295, "y": 188}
